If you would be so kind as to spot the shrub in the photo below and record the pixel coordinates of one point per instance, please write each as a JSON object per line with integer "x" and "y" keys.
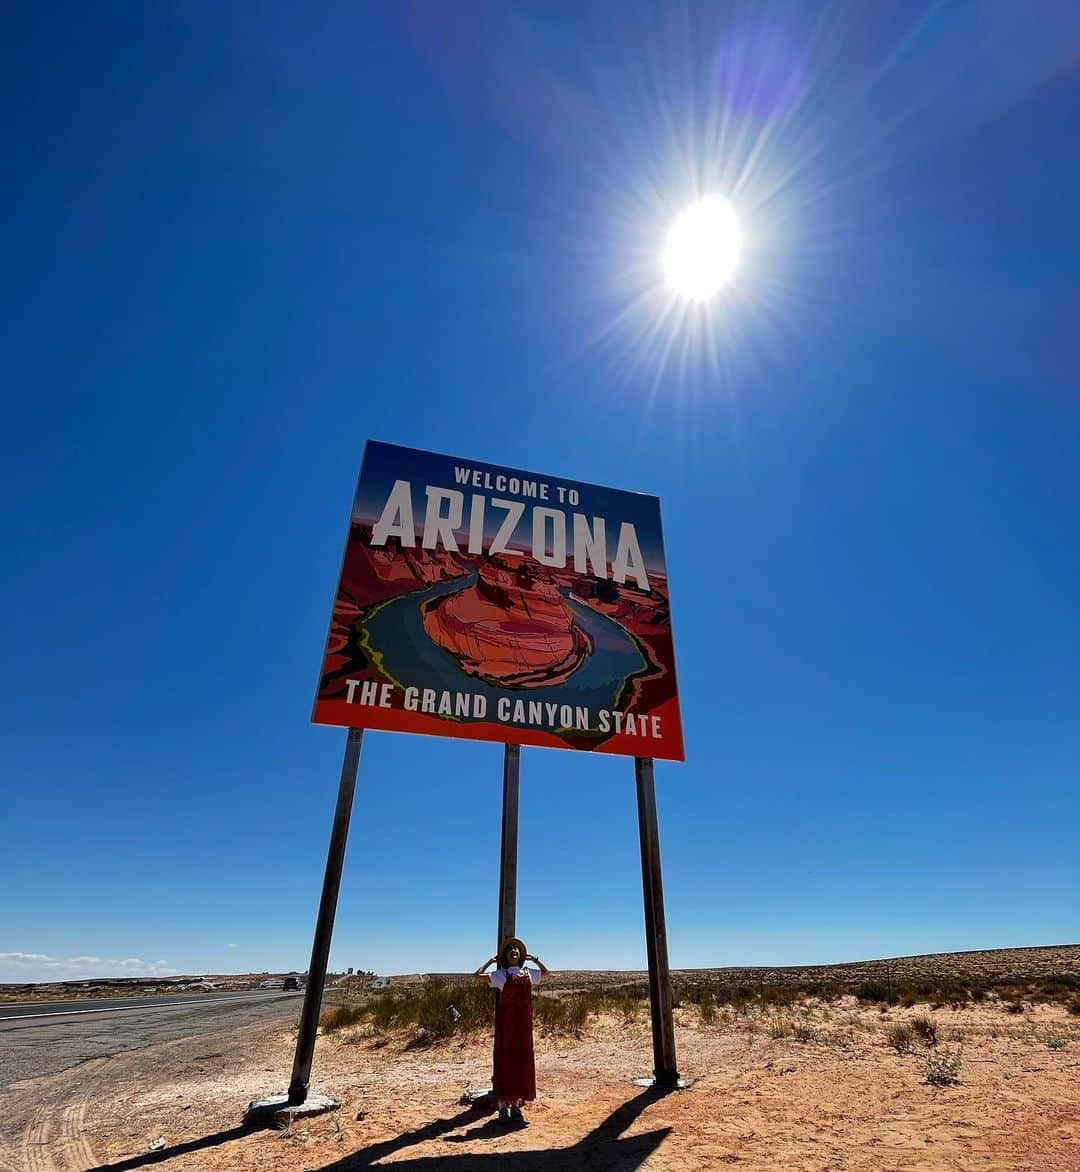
{"x": 872, "y": 991}
{"x": 777, "y": 995}
{"x": 339, "y": 1017}
{"x": 442, "y": 1010}
{"x": 629, "y": 1006}
{"x": 901, "y": 1037}
{"x": 803, "y": 1031}
{"x": 1059, "y": 986}
{"x": 941, "y": 1069}
{"x": 564, "y": 1014}
{"x": 780, "y": 1027}
{"x": 737, "y": 996}
{"x": 383, "y": 1011}
{"x": 707, "y": 1009}
{"x": 949, "y": 994}
{"x": 1056, "y": 1042}
{"x": 925, "y": 1028}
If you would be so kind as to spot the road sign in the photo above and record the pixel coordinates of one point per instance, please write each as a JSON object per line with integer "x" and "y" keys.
{"x": 485, "y": 602}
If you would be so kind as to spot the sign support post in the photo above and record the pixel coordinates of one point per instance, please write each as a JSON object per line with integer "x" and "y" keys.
{"x": 509, "y": 855}
{"x": 298, "y": 1100}
{"x": 665, "y": 1070}
{"x": 508, "y": 859}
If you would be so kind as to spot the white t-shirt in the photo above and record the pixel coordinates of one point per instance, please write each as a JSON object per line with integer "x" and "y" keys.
{"x": 498, "y": 977}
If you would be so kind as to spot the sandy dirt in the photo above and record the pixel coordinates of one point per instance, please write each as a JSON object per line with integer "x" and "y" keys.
{"x": 841, "y": 1099}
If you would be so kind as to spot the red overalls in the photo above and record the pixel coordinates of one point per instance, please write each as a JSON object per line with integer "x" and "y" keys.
{"x": 514, "y": 1065}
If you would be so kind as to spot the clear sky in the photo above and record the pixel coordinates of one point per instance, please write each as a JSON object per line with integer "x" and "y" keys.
{"x": 240, "y": 240}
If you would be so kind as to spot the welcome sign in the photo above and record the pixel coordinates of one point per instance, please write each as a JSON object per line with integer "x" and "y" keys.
{"x": 494, "y": 604}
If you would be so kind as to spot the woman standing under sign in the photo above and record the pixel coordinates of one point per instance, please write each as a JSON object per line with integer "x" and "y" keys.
{"x": 515, "y": 1065}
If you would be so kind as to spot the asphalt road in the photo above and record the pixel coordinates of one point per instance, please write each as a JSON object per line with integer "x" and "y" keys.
{"x": 10, "y": 1009}
{"x": 43, "y": 1038}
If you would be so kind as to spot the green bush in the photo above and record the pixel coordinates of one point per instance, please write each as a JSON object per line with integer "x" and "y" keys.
{"x": 383, "y": 1011}
{"x": 941, "y": 1069}
{"x": 628, "y": 1007}
{"x": 559, "y": 1015}
{"x": 872, "y": 991}
{"x": 339, "y": 1017}
{"x": 926, "y": 1028}
{"x": 901, "y": 1037}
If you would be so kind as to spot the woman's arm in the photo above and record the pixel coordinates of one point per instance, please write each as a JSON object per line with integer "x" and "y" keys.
{"x": 480, "y": 975}
{"x": 539, "y": 964}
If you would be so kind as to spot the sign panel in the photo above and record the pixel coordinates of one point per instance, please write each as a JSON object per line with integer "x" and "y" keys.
{"x": 493, "y": 604}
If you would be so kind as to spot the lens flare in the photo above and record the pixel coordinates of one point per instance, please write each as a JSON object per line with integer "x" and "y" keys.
{"x": 702, "y": 249}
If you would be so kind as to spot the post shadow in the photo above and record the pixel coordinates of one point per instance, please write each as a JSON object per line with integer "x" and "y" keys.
{"x": 603, "y": 1147}
{"x": 146, "y": 1159}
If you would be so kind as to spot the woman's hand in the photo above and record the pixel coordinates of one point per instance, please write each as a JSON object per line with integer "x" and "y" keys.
{"x": 479, "y": 974}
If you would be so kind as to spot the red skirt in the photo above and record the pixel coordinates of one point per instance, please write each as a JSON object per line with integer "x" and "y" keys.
{"x": 515, "y": 1064}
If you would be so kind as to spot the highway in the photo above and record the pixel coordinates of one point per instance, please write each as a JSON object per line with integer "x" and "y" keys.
{"x": 14, "y": 1009}
{"x": 42, "y": 1038}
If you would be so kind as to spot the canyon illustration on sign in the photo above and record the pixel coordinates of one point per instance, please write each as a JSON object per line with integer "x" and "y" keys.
{"x": 493, "y": 604}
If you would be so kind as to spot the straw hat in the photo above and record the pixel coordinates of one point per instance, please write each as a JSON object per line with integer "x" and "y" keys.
{"x": 510, "y": 940}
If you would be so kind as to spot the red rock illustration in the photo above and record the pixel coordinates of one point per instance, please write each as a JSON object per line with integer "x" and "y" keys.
{"x": 513, "y": 626}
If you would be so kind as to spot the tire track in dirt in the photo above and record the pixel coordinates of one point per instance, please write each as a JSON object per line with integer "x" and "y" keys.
{"x": 51, "y": 1147}
{"x": 73, "y": 1147}
{"x": 37, "y": 1140}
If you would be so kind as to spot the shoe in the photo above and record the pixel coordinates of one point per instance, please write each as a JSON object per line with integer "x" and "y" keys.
{"x": 516, "y": 1116}
{"x": 504, "y": 1114}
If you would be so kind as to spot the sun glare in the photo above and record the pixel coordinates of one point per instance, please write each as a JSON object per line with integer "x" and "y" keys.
{"x": 702, "y": 249}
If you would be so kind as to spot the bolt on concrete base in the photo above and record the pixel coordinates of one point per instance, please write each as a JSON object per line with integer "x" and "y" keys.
{"x": 278, "y": 1109}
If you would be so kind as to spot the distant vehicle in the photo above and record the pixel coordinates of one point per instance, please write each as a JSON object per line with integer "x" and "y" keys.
{"x": 290, "y": 985}
{"x": 269, "y": 985}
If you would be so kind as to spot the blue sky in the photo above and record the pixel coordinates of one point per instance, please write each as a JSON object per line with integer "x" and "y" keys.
{"x": 243, "y": 239}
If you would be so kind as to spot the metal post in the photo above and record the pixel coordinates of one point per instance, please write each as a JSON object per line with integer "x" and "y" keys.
{"x": 660, "y": 999}
{"x": 507, "y": 869}
{"x": 509, "y": 856}
{"x": 324, "y": 927}
{"x": 507, "y": 881}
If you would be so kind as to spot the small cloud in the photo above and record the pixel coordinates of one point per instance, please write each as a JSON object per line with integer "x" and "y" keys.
{"x": 233, "y": 946}
{"x": 36, "y": 966}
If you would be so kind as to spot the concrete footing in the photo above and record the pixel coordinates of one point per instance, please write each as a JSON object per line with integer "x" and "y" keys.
{"x": 278, "y": 1109}
{"x": 680, "y": 1084}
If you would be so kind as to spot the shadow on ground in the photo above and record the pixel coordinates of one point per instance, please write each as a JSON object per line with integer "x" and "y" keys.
{"x": 604, "y": 1146}
{"x": 193, "y": 1145}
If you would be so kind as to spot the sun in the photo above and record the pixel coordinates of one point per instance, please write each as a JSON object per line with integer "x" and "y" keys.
{"x": 702, "y": 249}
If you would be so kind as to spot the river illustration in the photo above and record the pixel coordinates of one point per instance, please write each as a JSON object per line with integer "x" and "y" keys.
{"x": 397, "y": 646}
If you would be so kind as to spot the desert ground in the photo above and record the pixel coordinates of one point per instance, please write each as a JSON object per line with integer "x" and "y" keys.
{"x": 807, "y": 1082}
